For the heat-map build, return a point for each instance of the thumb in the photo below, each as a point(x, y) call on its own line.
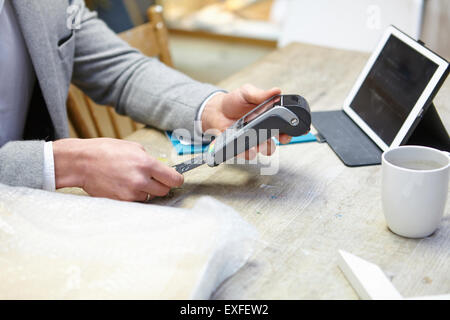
point(254, 95)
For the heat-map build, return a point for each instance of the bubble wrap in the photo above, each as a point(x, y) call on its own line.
point(60, 246)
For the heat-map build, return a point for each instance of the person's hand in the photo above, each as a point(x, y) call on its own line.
point(112, 168)
point(225, 108)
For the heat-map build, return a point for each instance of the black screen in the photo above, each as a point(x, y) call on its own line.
point(392, 87)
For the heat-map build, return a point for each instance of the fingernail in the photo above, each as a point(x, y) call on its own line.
point(263, 149)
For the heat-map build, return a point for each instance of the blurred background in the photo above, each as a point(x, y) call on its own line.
point(212, 39)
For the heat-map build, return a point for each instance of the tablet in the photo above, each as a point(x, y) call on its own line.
point(396, 85)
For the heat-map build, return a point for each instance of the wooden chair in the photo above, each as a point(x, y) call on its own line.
point(89, 120)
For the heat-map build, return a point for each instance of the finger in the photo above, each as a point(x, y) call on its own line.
point(284, 138)
point(155, 188)
point(251, 153)
point(241, 155)
point(166, 175)
point(255, 95)
point(267, 148)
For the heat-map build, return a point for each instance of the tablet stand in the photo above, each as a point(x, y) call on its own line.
point(355, 148)
point(430, 132)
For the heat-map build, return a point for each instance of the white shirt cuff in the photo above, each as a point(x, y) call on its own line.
point(49, 167)
point(198, 118)
point(198, 123)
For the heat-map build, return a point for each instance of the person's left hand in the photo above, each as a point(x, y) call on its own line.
point(225, 108)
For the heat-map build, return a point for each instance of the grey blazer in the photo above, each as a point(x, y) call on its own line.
point(105, 68)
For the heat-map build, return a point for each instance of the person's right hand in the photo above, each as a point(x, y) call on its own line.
point(112, 168)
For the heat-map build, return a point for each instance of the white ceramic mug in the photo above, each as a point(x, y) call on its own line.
point(414, 189)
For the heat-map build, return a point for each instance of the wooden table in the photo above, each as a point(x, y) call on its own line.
point(314, 205)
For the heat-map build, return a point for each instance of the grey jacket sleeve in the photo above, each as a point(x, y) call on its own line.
point(22, 164)
point(113, 73)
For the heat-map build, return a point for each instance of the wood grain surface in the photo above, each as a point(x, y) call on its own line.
point(314, 205)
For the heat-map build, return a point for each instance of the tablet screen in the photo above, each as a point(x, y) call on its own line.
point(392, 87)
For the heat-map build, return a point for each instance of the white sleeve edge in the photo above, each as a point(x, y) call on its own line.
point(198, 123)
point(49, 167)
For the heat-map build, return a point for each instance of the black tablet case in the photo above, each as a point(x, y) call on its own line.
point(355, 148)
